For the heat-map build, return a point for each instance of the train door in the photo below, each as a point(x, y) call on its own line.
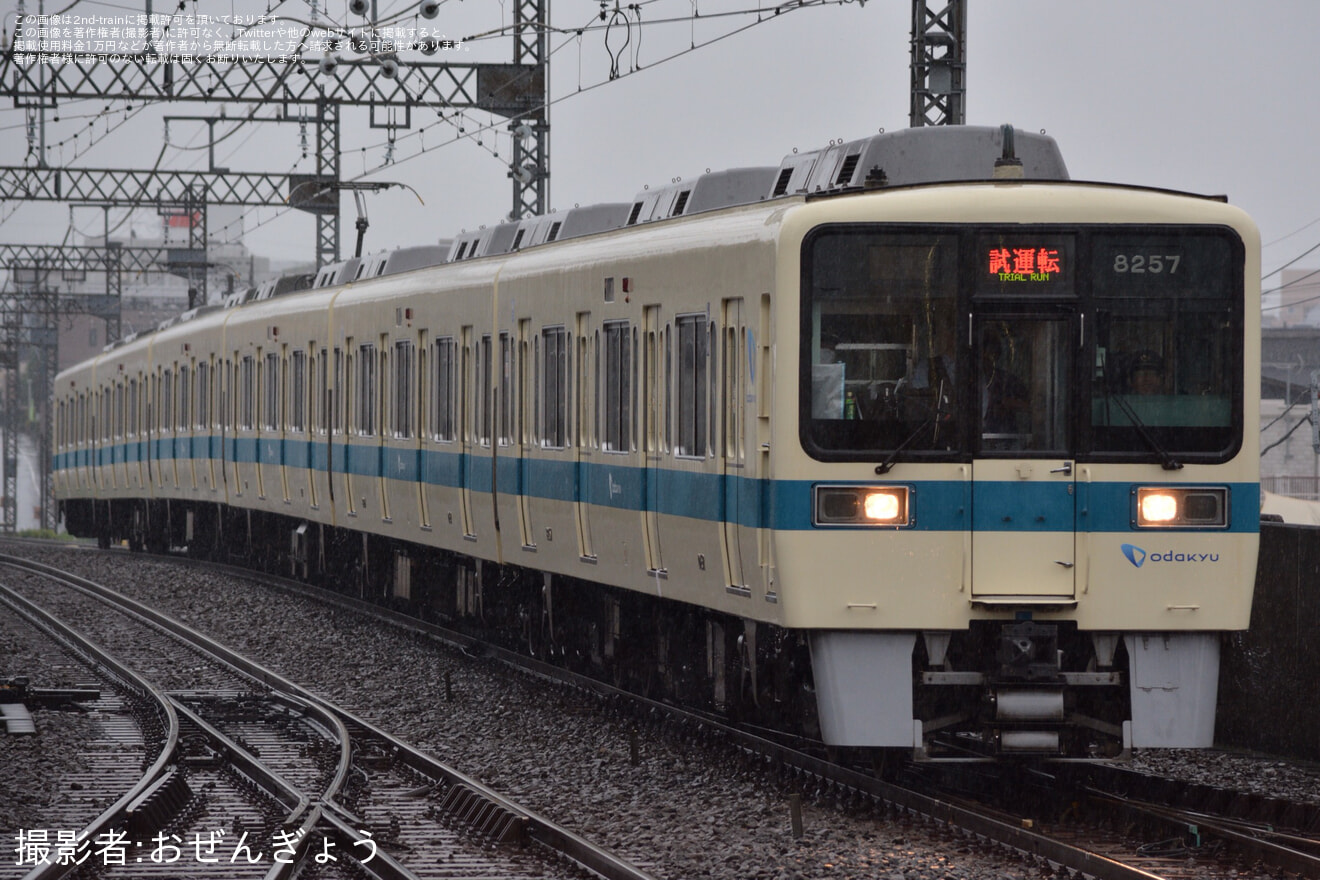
point(187, 391)
point(228, 425)
point(207, 378)
point(318, 422)
point(382, 413)
point(286, 392)
point(652, 434)
point(588, 397)
point(299, 424)
point(422, 377)
point(351, 385)
point(135, 432)
point(522, 431)
point(81, 440)
point(466, 421)
point(1023, 487)
point(733, 348)
point(267, 374)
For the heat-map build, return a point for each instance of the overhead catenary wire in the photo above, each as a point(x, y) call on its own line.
point(1304, 253)
point(475, 135)
point(1305, 420)
point(465, 130)
point(1295, 302)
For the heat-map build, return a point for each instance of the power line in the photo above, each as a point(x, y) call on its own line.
point(1309, 250)
point(1291, 234)
point(1290, 284)
point(1306, 420)
point(474, 136)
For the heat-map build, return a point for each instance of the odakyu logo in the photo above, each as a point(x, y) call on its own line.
point(1139, 557)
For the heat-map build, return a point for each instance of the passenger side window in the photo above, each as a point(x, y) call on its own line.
point(693, 362)
point(616, 433)
point(271, 402)
point(443, 385)
point(405, 359)
point(366, 390)
point(483, 388)
point(298, 391)
point(554, 396)
point(248, 391)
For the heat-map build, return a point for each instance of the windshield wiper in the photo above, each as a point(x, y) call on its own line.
point(888, 464)
point(1169, 463)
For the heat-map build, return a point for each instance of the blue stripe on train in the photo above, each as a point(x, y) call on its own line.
point(939, 505)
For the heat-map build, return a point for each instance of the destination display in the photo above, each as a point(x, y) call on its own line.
point(1025, 264)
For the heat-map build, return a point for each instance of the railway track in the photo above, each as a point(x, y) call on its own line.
point(1103, 836)
point(1081, 803)
point(119, 736)
point(257, 775)
point(1092, 842)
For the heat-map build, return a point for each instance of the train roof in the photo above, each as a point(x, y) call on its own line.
point(936, 154)
point(911, 157)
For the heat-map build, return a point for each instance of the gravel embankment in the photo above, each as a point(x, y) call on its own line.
point(684, 811)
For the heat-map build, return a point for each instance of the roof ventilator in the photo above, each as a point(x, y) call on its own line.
point(781, 185)
point(847, 169)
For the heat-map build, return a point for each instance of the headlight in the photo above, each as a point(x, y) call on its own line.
point(1180, 507)
point(862, 506)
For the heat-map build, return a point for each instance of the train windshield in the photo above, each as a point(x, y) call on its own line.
point(1105, 343)
point(1167, 347)
point(881, 353)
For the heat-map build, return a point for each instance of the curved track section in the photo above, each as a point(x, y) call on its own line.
point(336, 777)
point(134, 687)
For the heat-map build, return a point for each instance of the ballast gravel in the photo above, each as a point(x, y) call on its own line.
point(683, 810)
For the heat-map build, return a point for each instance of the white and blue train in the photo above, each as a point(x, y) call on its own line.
point(911, 442)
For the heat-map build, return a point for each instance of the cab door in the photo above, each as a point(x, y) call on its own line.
point(737, 501)
point(1023, 485)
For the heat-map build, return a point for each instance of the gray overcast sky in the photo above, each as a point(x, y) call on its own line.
point(1209, 96)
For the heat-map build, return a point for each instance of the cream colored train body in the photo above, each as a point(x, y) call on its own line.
point(874, 455)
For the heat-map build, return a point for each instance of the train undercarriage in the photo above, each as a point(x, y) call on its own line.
point(1000, 688)
point(726, 665)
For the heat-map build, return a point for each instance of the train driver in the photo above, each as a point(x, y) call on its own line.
point(1146, 375)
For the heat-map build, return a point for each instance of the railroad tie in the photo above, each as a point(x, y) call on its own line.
point(485, 816)
point(160, 804)
point(18, 720)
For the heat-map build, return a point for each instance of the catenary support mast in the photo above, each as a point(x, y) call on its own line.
point(939, 63)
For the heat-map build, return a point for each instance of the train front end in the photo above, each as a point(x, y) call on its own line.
point(1020, 506)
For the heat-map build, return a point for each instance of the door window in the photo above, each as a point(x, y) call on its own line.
point(1023, 378)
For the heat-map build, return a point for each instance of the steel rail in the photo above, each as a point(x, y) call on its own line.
point(1020, 839)
point(130, 680)
point(308, 813)
point(1286, 857)
point(534, 827)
